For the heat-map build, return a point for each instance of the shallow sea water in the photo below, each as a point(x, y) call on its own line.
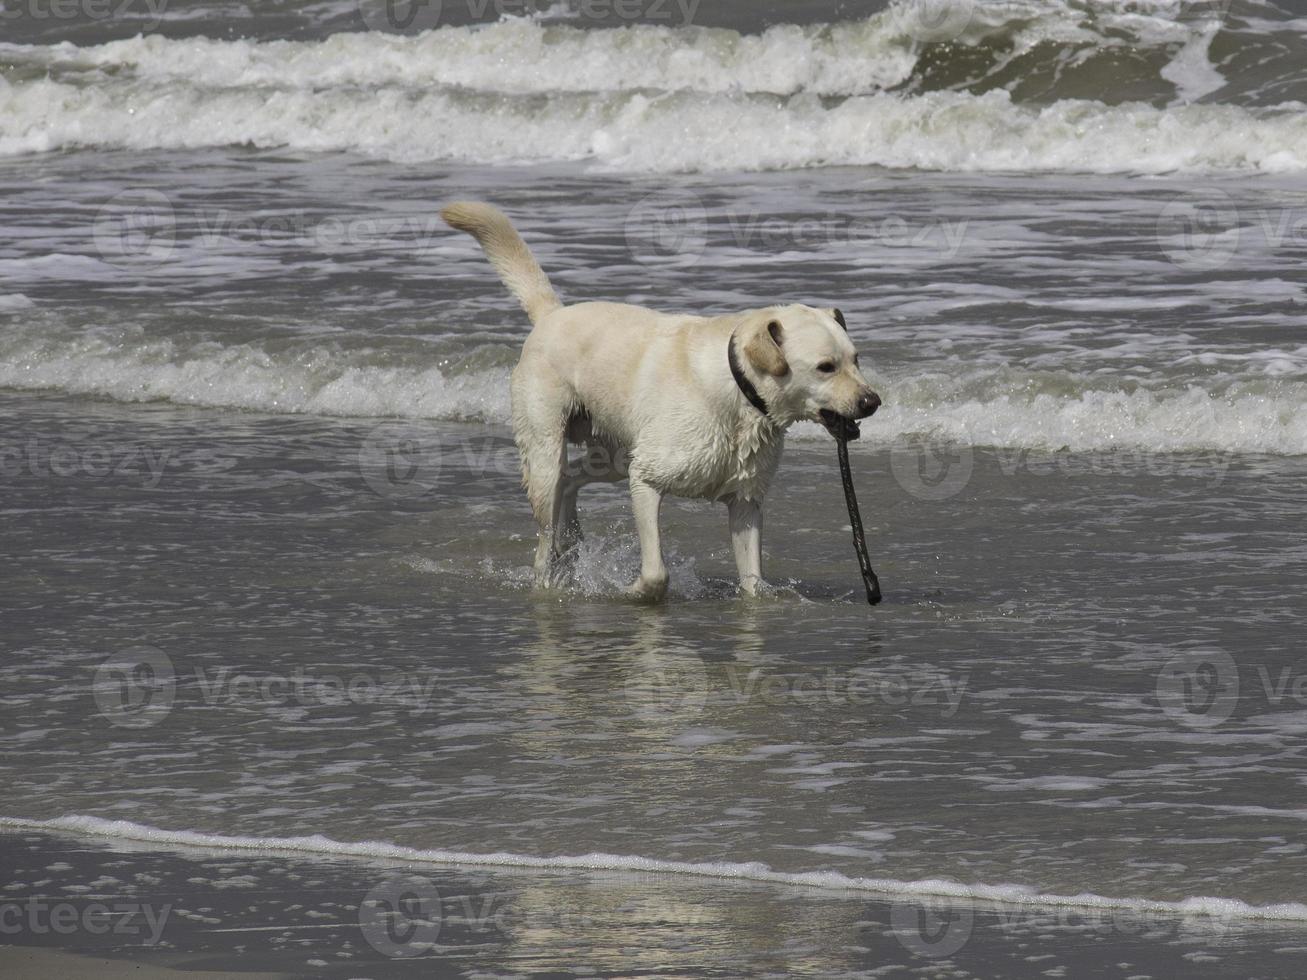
point(269, 628)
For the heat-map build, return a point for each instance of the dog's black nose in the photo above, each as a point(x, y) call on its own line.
point(868, 404)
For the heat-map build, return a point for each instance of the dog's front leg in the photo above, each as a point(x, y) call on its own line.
point(646, 502)
point(746, 541)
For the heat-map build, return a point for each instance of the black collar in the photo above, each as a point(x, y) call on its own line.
point(745, 385)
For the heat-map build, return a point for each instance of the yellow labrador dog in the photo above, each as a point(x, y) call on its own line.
point(686, 405)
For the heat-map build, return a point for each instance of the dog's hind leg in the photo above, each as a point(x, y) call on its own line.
point(543, 462)
point(542, 405)
point(600, 464)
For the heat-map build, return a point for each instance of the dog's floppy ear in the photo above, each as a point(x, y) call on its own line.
point(763, 348)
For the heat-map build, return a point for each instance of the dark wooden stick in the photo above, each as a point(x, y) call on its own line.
point(855, 519)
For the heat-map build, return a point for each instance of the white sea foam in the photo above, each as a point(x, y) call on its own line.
point(1220, 907)
point(516, 56)
point(1191, 71)
point(317, 380)
point(625, 99)
point(986, 406)
point(634, 131)
point(1245, 417)
point(537, 55)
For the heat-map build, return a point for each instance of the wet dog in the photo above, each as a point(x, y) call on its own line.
point(687, 405)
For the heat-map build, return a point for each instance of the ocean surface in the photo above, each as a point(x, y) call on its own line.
point(267, 587)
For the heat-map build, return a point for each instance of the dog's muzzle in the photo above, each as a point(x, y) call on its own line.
point(844, 426)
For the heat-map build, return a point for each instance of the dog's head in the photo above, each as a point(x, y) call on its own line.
point(807, 365)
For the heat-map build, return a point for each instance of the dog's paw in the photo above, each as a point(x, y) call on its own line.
point(650, 589)
point(559, 572)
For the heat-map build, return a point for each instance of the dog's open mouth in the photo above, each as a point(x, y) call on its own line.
point(840, 426)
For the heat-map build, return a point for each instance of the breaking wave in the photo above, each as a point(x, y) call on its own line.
point(1221, 908)
point(1144, 86)
point(988, 406)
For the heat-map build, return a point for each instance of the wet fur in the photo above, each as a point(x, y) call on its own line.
point(651, 398)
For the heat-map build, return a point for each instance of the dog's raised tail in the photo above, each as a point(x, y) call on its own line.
point(507, 253)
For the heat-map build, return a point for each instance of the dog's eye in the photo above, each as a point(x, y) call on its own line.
point(826, 367)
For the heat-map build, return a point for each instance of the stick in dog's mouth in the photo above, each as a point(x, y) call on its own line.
point(846, 426)
point(869, 580)
point(840, 426)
